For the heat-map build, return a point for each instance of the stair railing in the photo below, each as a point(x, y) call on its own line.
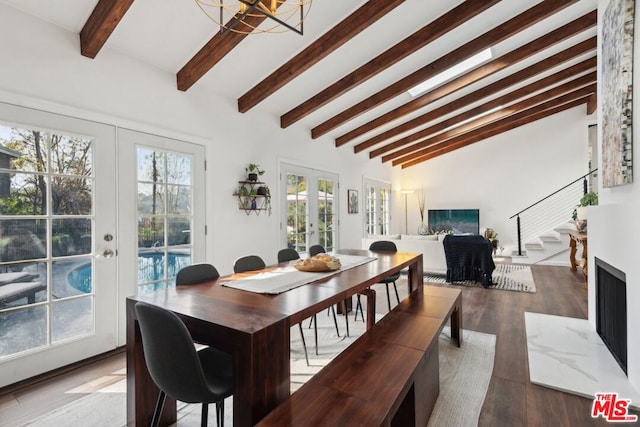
point(550, 211)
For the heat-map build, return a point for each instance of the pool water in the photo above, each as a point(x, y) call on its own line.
point(151, 268)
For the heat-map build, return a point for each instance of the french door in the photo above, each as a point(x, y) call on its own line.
point(58, 242)
point(309, 206)
point(164, 230)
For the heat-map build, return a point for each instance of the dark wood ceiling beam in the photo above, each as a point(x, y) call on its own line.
point(490, 38)
point(496, 131)
point(486, 91)
point(391, 56)
point(103, 21)
point(363, 17)
point(592, 105)
point(506, 99)
point(568, 97)
point(213, 52)
point(510, 110)
point(509, 59)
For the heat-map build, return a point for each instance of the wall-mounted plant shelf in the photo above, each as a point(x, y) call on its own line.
point(253, 196)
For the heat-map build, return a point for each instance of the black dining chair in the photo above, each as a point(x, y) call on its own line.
point(288, 254)
point(187, 375)
point(248, 263)
point(196, 273)
point(316, 249)
point(384, 246)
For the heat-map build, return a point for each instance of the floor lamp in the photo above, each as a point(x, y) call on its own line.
point(405, 193)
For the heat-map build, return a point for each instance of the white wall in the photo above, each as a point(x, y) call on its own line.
point(614, 230)
point(42, 62)
point(501, 175)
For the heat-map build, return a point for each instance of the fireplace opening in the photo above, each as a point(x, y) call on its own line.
point(611, 310)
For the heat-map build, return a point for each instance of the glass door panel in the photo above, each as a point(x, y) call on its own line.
point(54, 306)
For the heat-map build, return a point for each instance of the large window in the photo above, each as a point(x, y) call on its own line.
point(377, 207)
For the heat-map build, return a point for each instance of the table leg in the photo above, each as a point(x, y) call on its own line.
point(415, 278)
point(371, 306)
point(456, 321)
point(262, 373)
point(572, 253)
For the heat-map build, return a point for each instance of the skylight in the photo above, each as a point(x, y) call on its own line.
point(456, 70)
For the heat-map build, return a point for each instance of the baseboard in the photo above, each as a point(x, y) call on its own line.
point(554, 263)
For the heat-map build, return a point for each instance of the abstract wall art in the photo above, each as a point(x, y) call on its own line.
point(617, 93)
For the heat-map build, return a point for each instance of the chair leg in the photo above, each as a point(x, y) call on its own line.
point(358, 307)
point(304, 344)
point(346, 315)
point(158, 411)
point(386, 285)
point(395, 288)
point(204, 420)
point(315, 332)
point(335, 319)
point(220, 413)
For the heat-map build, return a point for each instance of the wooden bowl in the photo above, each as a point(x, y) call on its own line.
point(316, 265)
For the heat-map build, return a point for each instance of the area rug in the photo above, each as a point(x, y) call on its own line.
point(508, 277)
point(464, 379)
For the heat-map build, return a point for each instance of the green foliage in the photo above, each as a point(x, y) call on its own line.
point(253, 168)
point(589, 199)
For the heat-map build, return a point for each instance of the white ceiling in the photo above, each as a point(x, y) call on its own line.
point(167, 33)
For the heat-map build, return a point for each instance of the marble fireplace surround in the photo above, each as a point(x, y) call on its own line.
point(568, 354)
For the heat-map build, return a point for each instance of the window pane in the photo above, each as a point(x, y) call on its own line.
point(22, 194)
point(27, 149)
point(71, 196)
point(22, 284)
point(71, 236)
point(150, 232)
point(178, 230)
point(151, 198)
point(71, 318)
point(178, 199)
point(22, 239)
point(23, 330)
point(70, 156)
point(72, 277)
point(178, 169)
point(151, 165)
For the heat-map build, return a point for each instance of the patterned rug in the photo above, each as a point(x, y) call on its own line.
point(508, 277)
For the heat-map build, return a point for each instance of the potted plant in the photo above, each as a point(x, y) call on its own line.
point(491, 235)
point(580, 212)
point(422, 228)
point(253, 172)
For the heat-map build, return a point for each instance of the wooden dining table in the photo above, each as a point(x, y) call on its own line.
point(254, 328)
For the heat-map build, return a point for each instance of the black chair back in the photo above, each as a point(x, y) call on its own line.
point(316, 249)
point(171, 357)
point(248, 263)
point(287, 254)
point(383, 246)
point(196, 273)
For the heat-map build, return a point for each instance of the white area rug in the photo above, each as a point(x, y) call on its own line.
point(464, 378)
point(508, 277)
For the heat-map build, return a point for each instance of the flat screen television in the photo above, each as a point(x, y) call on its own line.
point(460, 221)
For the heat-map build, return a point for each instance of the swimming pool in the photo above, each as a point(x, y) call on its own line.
point(151, 269)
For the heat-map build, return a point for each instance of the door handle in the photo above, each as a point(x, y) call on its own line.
point(107, 253)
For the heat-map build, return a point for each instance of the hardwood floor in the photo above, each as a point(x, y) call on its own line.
point(511, 399)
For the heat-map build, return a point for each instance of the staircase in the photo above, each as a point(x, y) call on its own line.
point(550, 248)
point(543, 227)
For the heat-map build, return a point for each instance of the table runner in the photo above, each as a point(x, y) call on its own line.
point(283, 279)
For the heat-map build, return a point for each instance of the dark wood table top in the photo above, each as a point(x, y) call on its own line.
point(249, 311)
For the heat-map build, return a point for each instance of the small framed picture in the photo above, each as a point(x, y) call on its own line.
point(352, 200)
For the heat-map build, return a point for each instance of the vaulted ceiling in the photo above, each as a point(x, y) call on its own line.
point(346, 80)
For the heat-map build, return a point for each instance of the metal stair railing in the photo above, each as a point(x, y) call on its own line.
point(551, 210)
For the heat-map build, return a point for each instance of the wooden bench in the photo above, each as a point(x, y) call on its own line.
point(387, 377)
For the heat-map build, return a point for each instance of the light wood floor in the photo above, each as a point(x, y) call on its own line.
point(511, 399)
